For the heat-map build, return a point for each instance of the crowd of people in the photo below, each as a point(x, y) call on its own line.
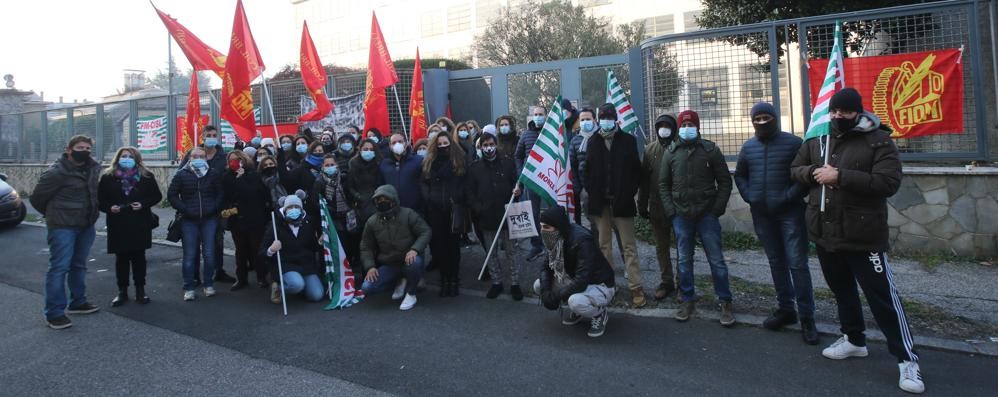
point(404, 208)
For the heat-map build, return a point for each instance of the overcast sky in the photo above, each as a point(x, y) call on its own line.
point(78, 49)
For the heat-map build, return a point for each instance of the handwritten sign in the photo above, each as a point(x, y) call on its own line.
point(520, 220)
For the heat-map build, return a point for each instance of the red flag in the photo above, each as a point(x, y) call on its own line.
point(380, 74)
point(201, 56)
point(915, 94)
point(417, 106)
point(242, 66)
point(314, 77)
point(192, 122)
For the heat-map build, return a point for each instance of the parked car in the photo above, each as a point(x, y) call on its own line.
point(12, 208)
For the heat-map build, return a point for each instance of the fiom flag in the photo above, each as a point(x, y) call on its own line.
point(380, 74)
point(242, 66)
point(417, 107)
point(545, 171)
point(313, 74)
point(201, 56)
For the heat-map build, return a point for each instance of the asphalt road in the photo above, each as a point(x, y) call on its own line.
point(237, 343)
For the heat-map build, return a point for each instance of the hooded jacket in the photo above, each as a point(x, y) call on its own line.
point(389, 236)
point(66, 194)
point(649, 196)
point(855, 217)
point(507, 143)
point(584, 262)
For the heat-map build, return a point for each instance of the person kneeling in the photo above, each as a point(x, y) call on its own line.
point(391, 248)
point(577, 272)
point(298, 243)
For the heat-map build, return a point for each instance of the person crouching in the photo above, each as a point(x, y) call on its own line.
point(298, 243)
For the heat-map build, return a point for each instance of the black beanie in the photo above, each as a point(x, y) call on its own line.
point(556, 217)
point(847, 99)
point(607, 112)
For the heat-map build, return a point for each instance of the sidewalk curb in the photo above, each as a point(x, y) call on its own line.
point(983, 348)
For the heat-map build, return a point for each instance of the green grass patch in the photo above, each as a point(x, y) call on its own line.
point(739, 241)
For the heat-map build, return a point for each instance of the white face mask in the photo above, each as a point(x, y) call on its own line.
point(664, 132)
point(398, 148)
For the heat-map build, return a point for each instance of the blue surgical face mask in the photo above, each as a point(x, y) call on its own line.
point(255, 140)
point(301, 148)
point(421, 152)
point(199, 163)
point(293, 213)
point(607, 125)
point(375, 139)
point(367, 155)
point(286, 146)
point(126, 163)
point(687, 133)
point(463, 134)
point(346, 146)
point(331, 170)
point(211, 142)
point(504, 129)
point(587, 125)
point(539, 121)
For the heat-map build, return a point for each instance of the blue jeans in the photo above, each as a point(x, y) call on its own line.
point(784, 238)
point(68, 251)
point(388, 276)
point(708, 228)
point(198, 234)
point(294, 283)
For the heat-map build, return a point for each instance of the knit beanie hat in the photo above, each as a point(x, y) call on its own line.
point(847, 99)
point(689, 115)
point(763, 108)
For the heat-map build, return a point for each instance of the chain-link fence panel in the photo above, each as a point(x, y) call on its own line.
point(9, 137)
point(114, 132)
point(31, 137)
point(58, 133)
point(593, 84)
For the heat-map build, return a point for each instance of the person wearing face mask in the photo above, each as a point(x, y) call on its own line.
point(327, 142)
point(650, 202)
point(271, 177)
point(66, 195)
point(346, 149)
point(126, 193)
point(268, 143)
point(613, 175)
point(196, 193)
point(508, 138)
point(577, 279)
point(851, 233)
point(777, 203)
point(364, 178)
point(246, 208)
point(392, 248)
point(303, 177)
point(352, 130)
point(695, 186)
point(537, 115)
point(380, 141)
point(257, 141)
point(463, 137)
point(577, 159)
point(489, 183)
point(331, 186)
point(403, 170)
point(298, 243)
point(446, 124)
point(420, 147)
point(443, 185)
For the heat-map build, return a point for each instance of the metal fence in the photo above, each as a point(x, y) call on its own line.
point(721, 73)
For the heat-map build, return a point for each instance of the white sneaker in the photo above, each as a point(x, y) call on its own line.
point(189, 295)
point(842, 349)
point(209, 291)
point(911, 378)
point(408, 302)
point(399, 290)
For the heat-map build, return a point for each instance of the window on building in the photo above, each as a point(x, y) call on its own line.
point(690, 20)
point(432, 23)
point(486, 11)
point(660, 25)
point(458, 18)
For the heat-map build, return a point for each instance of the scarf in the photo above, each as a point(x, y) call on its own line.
point(128, 178)
point(585, 140)
point(334, 192)
point(556, 256)
point(199, 172)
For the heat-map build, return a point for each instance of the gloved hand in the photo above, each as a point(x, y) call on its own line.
point(550, 300)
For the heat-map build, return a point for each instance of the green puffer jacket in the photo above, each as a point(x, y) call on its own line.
point(66, 194)
point(388, 237)
point(694, 179)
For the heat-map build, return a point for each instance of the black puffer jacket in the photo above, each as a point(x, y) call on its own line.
point(613, 176)
point(763, 173)
point(196, 198)
point(298, 253)
point(584, 262)
point(855, 217)
point(526, 143)
point(442, 187)
point(66, 194)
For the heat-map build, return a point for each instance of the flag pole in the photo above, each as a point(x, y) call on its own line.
point(401, 115)
point(828, 144)
point(502, 223)
point(270, 105)
point(280, 268)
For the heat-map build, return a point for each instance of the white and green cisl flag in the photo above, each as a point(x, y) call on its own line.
point(545, 171)
point(343, 291)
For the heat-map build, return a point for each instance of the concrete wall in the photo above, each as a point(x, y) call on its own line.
point(935, 210)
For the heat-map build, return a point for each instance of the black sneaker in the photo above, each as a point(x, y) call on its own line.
point(808, 331)
point(779, 319)
point(494, 291)
point(598, 324)
point(515, 292)
point(61, 322)
point(223, 277)
point(85, 308)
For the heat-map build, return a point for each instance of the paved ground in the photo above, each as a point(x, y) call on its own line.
point(238, 342)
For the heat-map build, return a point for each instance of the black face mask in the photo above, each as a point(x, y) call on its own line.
point(766, 131)
point(845, 125)
point(384, 206)
point(80, 156)
point(269, 171)
point(443, 151)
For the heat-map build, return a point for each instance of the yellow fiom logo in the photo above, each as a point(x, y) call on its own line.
point(908, 96)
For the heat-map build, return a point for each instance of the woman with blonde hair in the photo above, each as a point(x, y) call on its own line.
point(443, 173)
point(126, 193)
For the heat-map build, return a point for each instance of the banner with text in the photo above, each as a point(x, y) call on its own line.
point(347, 110)
point(151, 135)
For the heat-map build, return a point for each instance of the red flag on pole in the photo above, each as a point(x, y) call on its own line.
point(380, 74)
point(242, 66)
point(314, 77)
point(417, 106)
point(201, 56)
point(192, 122)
